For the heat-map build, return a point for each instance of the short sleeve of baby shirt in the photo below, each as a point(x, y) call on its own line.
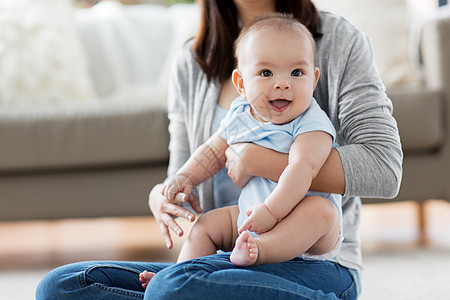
point(229, 123)
point(313, 119)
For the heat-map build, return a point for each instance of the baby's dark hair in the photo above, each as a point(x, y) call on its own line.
point(274, 21)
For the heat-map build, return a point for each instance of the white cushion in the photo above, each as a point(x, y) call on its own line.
point(131, 48)
point(387, 23)
point(41, 59)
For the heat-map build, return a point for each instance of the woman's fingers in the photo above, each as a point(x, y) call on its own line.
point(171, 224)
point(164, 190)
point(166, 234)
point(164, 212)
point(195, 204)
point(176, 210)
point(166, 221)
point(236, 164)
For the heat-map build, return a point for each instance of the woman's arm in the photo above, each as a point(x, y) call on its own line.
point(331, 178)
point(244, 162)
point(371, 153)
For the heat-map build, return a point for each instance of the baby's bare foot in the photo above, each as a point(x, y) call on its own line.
point(245, 252)
point(145, 278)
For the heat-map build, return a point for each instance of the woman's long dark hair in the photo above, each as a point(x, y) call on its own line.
point(219, 28)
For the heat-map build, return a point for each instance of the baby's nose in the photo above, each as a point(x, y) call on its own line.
point(282, 85)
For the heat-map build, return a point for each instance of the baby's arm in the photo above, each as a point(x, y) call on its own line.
point(306, 156)
point(206, 161)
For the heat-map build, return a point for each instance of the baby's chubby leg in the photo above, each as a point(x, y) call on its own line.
point(326, 225)
point(313, 227)
point(214, 230)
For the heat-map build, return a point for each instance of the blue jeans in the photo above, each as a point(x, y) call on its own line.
point(211, 277)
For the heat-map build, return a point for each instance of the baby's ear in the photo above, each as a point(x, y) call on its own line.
point(238, 82)
point(316, 75)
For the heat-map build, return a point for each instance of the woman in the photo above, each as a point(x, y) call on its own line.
point(368, 163)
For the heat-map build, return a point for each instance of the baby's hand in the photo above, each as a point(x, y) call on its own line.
point(177, 184)
point(259, 219)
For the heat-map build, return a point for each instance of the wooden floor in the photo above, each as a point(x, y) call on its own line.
point(37, 244)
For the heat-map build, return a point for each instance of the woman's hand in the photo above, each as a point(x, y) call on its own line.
point(244, 160)
point(238, 162)
point(164, 211)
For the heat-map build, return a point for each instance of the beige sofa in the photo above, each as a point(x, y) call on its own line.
point(102, 158)
point(98, 158)
point(423, 116)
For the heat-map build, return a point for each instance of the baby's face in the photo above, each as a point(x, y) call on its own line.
point(279, 74)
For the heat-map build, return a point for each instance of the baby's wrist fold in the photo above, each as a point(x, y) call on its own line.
point(270, 212)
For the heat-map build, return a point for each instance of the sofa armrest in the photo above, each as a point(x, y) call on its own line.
point(421, 119)
point(434, 45)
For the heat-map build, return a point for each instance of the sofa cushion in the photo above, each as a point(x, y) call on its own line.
point(131, 46)
point(124, 45)
point(95, 134)
point(387, 23)
point(41, 56)
point(420, 115)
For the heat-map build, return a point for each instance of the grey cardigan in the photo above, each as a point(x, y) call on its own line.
point(349, 90)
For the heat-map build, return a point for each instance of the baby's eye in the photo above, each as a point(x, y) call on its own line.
point(296, 73)
point(266, 73)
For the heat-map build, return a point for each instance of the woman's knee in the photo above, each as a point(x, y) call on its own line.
point(89, 280)
point(53, 284)
point(170, 283)
point(164, 284)
point(188, 280)
point(68, 279)
point(45, 286)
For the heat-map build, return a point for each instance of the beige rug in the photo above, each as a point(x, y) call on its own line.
point(407, 275)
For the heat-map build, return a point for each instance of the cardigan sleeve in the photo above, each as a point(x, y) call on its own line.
point(371, 154)
point(176, 105)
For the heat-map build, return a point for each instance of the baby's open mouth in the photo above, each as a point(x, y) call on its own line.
point(280, 105)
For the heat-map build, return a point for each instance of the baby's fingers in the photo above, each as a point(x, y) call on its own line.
point(249, 211)
point(245, 226)
point(171, 192)
point(164, 190)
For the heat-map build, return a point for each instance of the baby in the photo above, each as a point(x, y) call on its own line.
point(274, 222)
